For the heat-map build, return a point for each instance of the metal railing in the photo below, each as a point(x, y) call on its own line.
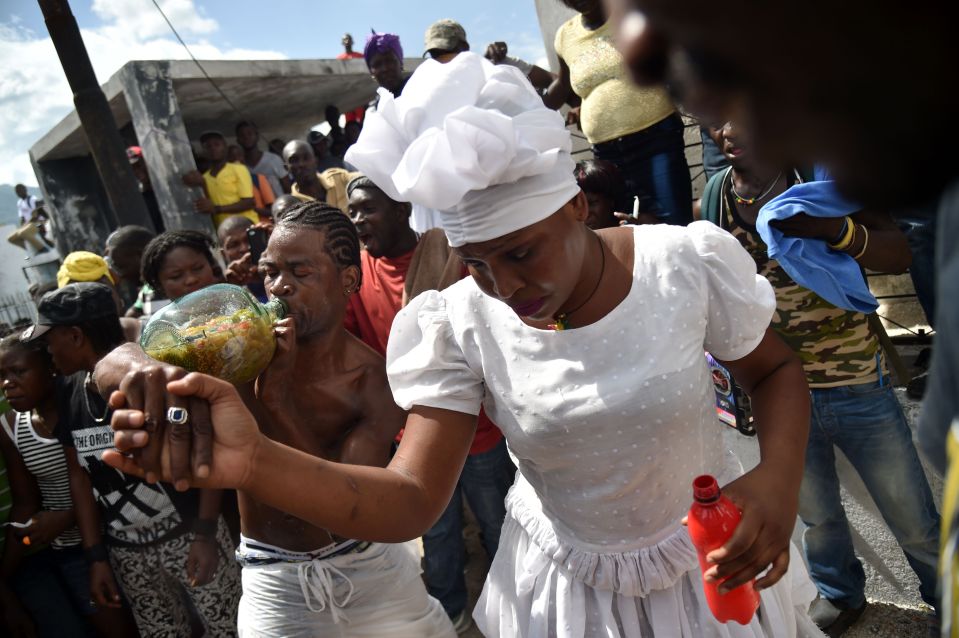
point(17, 310)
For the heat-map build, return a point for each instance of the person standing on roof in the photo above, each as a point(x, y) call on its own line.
point(348, 52)
point(356, 115)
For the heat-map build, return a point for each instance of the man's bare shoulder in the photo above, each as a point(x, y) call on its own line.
point(365, 359)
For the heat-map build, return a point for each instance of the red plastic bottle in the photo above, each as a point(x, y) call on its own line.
point(712, 520)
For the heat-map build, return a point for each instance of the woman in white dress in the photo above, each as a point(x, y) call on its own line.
point(610, 417)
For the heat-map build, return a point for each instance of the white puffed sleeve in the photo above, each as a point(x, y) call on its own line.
point(425, 364)
point(740, 303)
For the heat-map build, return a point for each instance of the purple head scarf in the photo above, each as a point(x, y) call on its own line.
point(381, 42)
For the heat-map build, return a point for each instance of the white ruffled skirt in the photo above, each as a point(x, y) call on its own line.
point(540, 587)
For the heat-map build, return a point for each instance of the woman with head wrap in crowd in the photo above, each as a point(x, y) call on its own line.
point(608, 430)
point(384, 58)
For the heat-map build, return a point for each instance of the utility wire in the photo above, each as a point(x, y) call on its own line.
point(197, 62)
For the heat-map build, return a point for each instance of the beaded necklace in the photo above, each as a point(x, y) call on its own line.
point(749, 201)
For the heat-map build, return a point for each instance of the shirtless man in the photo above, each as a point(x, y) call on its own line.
point(298, 580)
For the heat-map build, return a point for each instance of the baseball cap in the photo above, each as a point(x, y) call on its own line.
point(70, 306)
point(134, 154)
point(446, 35)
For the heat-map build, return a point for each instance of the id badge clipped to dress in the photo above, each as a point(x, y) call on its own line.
point(732, 404)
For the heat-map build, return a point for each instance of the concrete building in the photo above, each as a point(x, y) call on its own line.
point(163, 106)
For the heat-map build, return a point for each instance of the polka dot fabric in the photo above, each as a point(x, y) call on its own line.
point(609, 423)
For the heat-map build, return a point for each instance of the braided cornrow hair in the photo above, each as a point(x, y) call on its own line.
point(160, 246)
point(339, 233)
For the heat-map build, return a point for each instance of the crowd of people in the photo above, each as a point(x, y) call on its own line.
point(473, 318)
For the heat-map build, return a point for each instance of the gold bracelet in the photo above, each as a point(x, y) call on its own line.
point(865, 244)
point(849, 235)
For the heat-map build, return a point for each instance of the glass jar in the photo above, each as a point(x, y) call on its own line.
point(221, 330)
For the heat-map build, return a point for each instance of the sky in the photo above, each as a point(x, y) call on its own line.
point(34, 94)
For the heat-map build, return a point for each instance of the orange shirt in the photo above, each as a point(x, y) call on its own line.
point(370, 314)
point(262, 192)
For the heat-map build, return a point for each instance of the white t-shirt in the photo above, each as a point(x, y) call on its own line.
point(271, 167)
point(25, 207)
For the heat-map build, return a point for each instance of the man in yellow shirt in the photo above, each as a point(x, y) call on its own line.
point(228, 185)
point(328, 186)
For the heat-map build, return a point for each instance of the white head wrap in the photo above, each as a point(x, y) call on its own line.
point(475, 142)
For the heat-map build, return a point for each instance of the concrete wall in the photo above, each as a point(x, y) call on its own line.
point(552, 14)
point(158, 122)
point(80, 213)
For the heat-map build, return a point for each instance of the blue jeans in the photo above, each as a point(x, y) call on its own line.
point(867, 424)
point(653, 165)
point(486, 478)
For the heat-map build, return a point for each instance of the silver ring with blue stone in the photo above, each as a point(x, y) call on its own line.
point(177, 416)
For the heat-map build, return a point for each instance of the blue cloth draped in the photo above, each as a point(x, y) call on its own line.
point(833, 275)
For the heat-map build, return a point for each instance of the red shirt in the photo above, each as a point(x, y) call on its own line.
point(372, 308)
point(370, 314)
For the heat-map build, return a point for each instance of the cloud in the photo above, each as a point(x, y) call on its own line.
point(34, 94)
point(141, 20)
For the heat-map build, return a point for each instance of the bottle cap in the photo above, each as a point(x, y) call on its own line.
point(705, 488)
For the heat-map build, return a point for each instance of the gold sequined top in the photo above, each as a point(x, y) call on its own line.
point(612, 105)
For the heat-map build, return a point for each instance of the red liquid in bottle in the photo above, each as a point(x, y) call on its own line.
point(712, 520)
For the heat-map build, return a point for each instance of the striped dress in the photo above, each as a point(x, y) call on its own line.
point(45, 460)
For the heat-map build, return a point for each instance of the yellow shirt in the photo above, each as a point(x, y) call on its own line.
point(229, 186)
point(333, 181)
point(949, 536)
point(612, 106)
